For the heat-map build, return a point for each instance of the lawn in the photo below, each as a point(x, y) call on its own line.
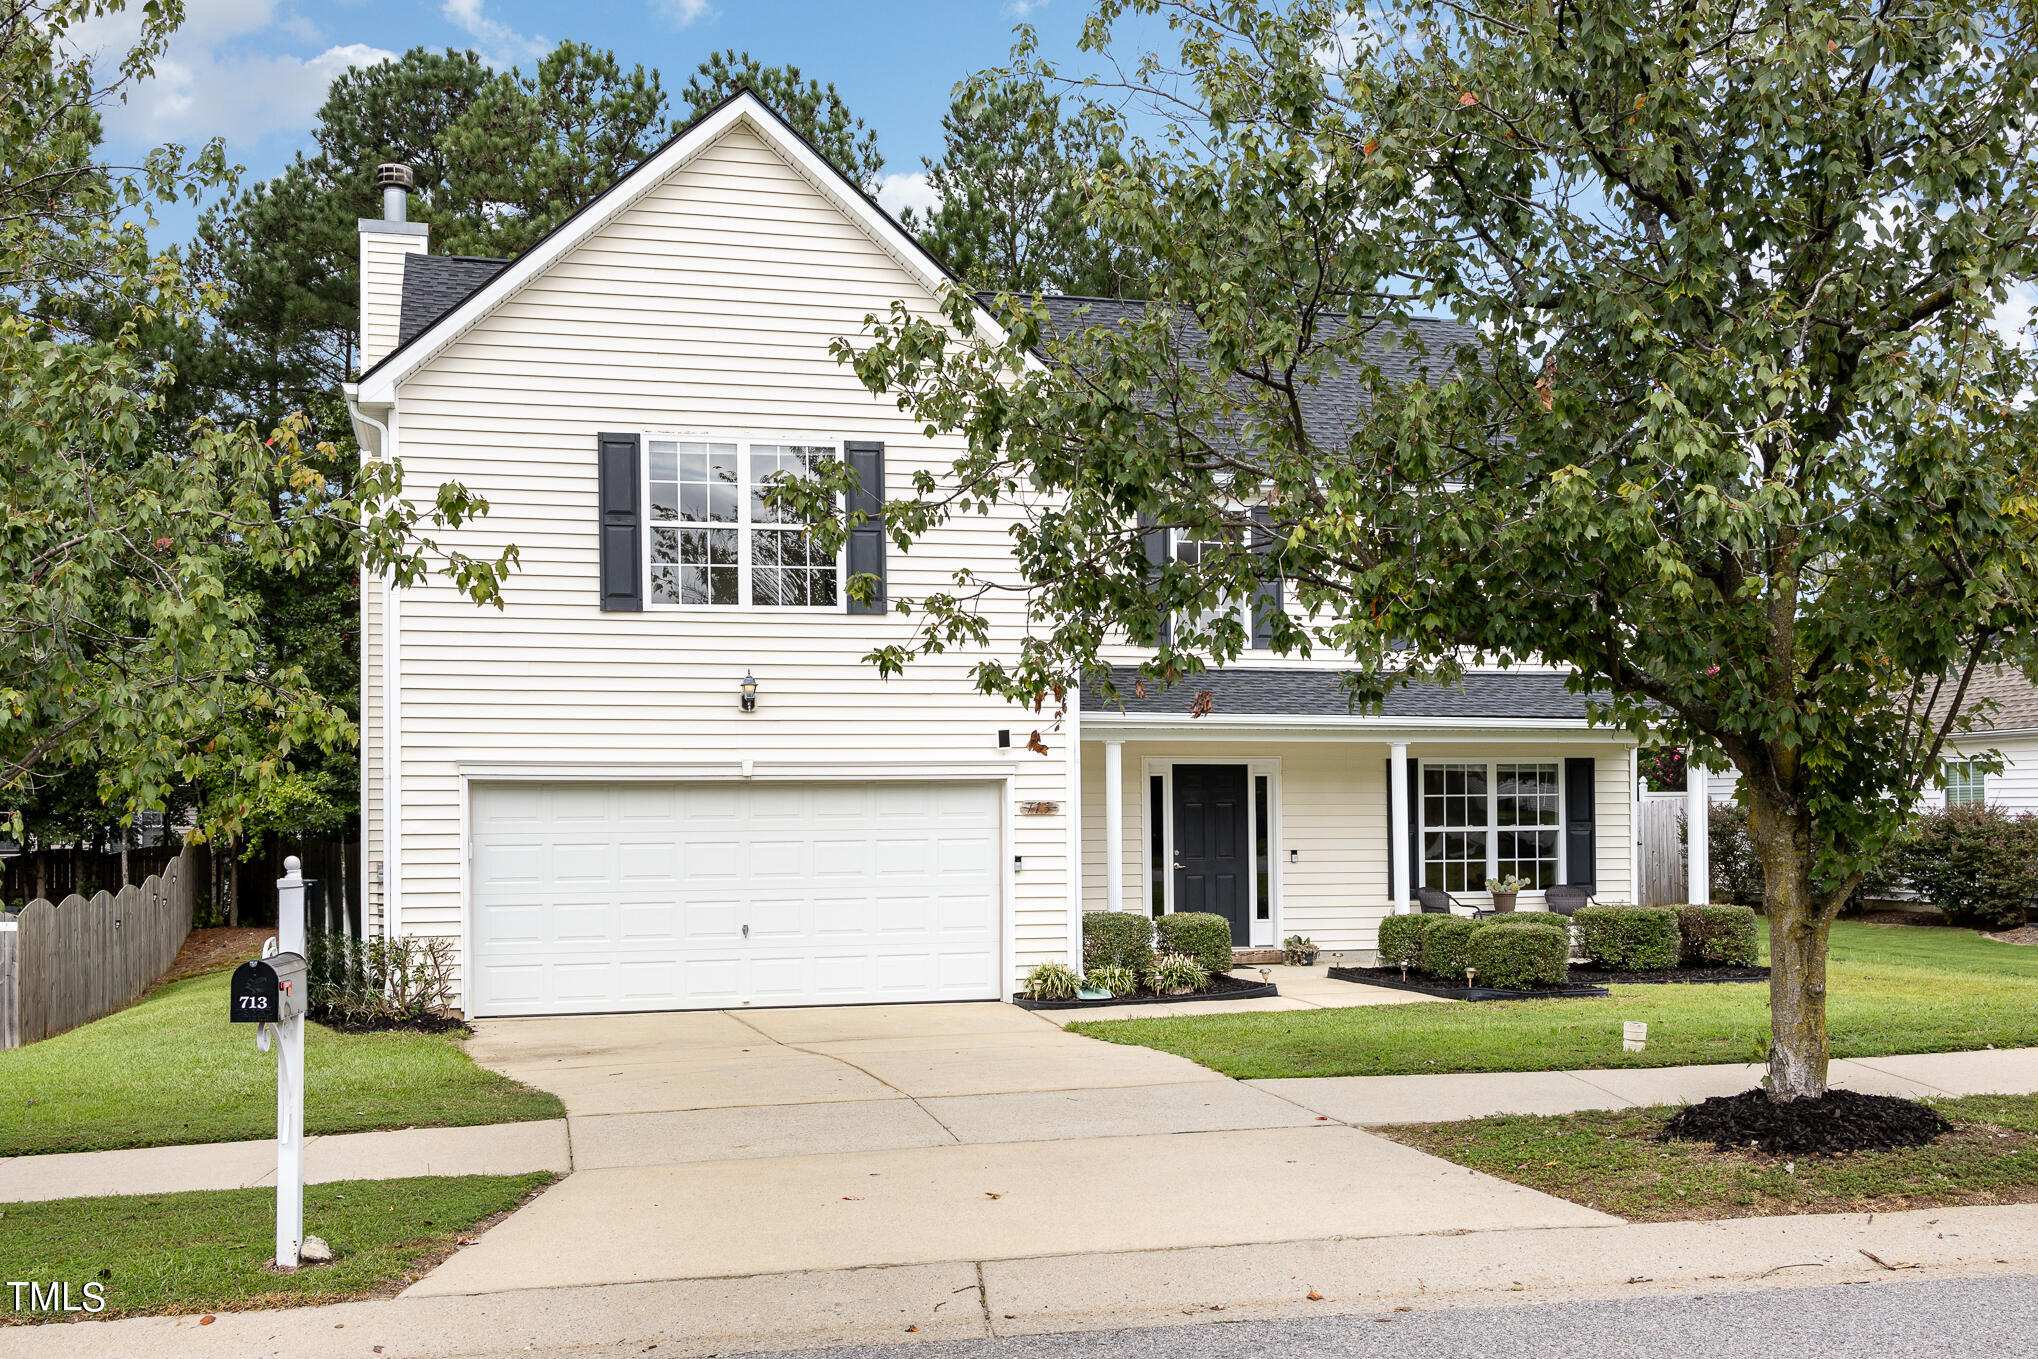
point(1893, 988)
point(171, 1069)
point(1610, 1161)
point(210, 1251)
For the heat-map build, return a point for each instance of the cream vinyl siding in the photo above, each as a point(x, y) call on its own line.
point(1333, 811)
point(372, 766)
point(705, 308)
point(382, 252)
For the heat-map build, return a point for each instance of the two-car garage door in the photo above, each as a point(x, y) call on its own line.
point(601, 897)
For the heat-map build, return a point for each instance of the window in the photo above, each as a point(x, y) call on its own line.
point(1191, 550)
point(713, 538)
point(1966, 785)
point(1483, 821)
point(1157, 839)
point(1264, 884)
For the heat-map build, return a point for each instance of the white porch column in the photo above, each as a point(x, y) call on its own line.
point(1114, 825)
point(1398, 888)
point(1697, 830)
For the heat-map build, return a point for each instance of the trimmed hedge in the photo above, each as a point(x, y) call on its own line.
point(1519, 958)
point(1121, 937)
point(1204, 937)
point(1977, 864)
point(1446, 947)
point(1630, 938)
point(1718, 936)
point(1542, 920)
point(1401, 939)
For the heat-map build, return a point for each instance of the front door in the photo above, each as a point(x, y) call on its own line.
point(1212, 871)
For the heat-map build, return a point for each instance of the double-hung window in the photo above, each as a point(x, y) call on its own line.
point(714, 541)
point(1485, 820)
point(1966, 785)
point(1190, 552)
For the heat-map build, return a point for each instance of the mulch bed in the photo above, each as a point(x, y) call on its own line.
point(1837, 1122)
point(2023, 934)
point(393, 1024)
point(1601, 977)
point(216, 949)
point(1220, 988)
point(1390, 977)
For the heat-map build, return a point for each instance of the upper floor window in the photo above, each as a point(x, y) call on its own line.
point(1966, 785)
point(1189, 551)
point(713, 539)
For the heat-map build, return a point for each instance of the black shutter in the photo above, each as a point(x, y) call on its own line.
point(867, 540)
point(1413, 849)
point(1154, 538)
point(1581, 834)
point(622, 522)
point(1267, 600)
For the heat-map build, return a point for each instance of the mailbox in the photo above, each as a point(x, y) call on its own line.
point(268, 990)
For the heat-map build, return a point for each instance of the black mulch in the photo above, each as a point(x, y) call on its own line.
point(1597, 976)
point(393, 1024)
point(1220, 988)
point(1422, 984)
point(1838, 1121)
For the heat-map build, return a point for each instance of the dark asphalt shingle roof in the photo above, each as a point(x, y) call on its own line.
point(435, 284)
point(1330, 409)
point(1292, 691)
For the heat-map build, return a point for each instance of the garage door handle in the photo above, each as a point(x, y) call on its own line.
point(746, 931)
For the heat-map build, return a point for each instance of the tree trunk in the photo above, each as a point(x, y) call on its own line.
point(233, 890)
point(1799, 926)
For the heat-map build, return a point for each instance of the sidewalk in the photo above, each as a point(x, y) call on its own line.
point(970, 1299)
point(488, 1149)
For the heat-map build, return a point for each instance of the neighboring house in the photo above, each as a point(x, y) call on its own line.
point(573, 787)
point(2009, 730)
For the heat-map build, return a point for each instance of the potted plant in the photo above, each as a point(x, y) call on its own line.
point(1298, 950)
point(1505, 890)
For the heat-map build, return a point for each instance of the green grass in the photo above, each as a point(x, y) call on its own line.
point(171, 1069)
point(1892, 989)
point(1610, 1161)
point(209, 1251)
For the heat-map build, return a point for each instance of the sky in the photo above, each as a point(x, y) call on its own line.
point(256, 71)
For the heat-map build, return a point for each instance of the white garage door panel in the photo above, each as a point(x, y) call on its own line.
point(599, 897)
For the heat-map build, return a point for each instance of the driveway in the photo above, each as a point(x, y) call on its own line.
point(717, 1144)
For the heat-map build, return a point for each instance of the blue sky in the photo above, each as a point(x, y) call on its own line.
point(255, 71)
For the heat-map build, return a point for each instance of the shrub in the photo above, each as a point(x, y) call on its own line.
point(1401, 939)
point(1446, 946)
point(1204, 937)
point(404, 983)
point(1735, 872)
point(1977, 864)
point(1718, 936)
point(1630, 938)
point(1298, 950)
point(1121, 937)
point(1051, 981)
point(1517, 958)
point(1116, 978)
point(1173, 974)
point(1535, 920)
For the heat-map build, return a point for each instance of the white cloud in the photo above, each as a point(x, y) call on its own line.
point(2013, 317)
point(680, 13)
point(896, 193)
point(500, 44)
point(1023, 9)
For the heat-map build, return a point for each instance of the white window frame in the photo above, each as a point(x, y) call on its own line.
point(745, 528)
point(1965, 785)
point(1492, 827)
point(1177, 538)
point(1264, 933)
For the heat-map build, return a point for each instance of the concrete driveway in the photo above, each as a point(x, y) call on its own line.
point(718, 1144)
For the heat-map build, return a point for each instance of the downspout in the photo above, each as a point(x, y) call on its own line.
point(392, 859)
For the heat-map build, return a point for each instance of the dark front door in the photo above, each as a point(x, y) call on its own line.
point(1212, 866)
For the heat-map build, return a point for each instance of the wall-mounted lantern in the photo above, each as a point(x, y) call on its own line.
point(747, 693)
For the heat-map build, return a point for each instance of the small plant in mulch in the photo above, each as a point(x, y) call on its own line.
point(1837, 1122)
point(1052, 981)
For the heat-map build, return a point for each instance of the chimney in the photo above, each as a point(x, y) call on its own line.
point(385, 240)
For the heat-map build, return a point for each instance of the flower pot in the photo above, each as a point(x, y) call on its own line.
point(1504, 901)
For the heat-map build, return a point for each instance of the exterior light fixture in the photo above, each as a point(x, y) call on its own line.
point(747, 693)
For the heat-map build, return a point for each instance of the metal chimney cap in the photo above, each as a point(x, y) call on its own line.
point(392, 175)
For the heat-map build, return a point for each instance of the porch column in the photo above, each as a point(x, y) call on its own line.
point(1697, 829)
point(1114, 825)
point(1397, 825)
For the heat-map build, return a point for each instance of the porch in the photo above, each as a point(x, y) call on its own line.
point(1283, 811)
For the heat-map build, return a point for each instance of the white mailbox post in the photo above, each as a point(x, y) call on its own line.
point(290, 1075)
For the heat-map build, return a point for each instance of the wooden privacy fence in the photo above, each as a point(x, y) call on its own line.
point(68, 964)
point(1662, 835)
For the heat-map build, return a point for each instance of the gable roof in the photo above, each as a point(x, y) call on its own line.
point(2016, 698)
point(1306, 692)
point(435, 284)
point(377, 386)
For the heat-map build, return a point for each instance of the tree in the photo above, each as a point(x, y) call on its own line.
point(128, 643)
point(1012, 184)
point(815, 110)
point(1729, 432)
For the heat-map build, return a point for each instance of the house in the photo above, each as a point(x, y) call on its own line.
point(664, 776)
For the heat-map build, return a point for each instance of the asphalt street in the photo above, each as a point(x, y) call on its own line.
point(1971, 1318)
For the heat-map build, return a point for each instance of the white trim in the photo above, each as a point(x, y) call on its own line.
point(1008, 890)
point(1420, 868)
point(663, 771)
point(1114, 825)
point(1162, 767)
point(745, 528)
point(1072, 833)
point(1244, 727)
point(379, 385)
